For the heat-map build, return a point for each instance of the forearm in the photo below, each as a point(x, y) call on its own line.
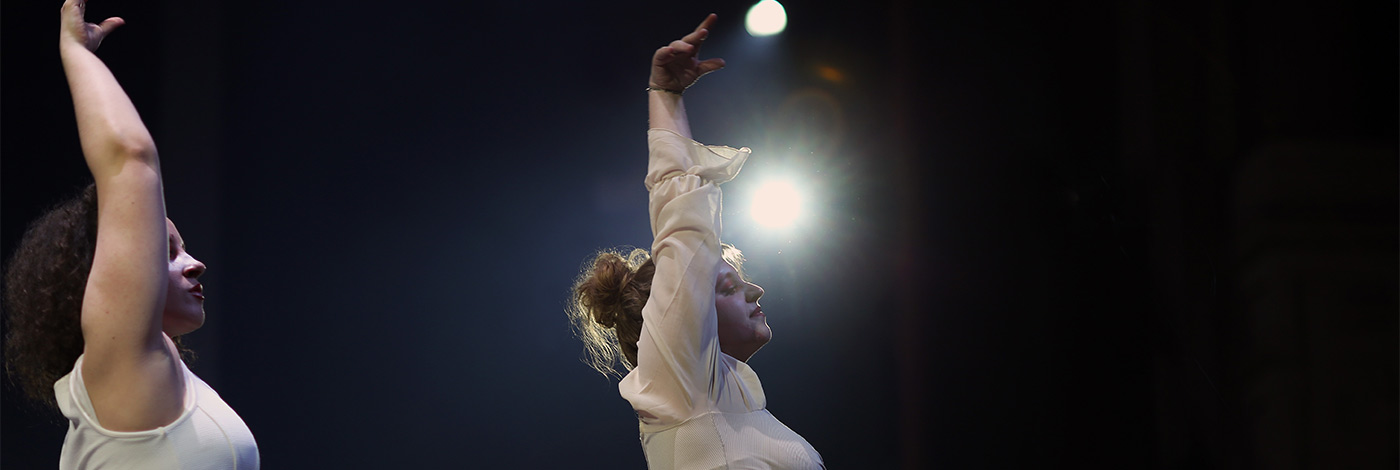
point(109, 127)
point(667, 111)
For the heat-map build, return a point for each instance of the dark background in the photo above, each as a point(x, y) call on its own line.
point(1138, 234)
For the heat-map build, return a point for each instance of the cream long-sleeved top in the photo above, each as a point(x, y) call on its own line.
point(208, 435)
point(700, 408)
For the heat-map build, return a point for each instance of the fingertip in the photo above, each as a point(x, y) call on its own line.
point(111, 24)
point(709, 19)
point(712, 65)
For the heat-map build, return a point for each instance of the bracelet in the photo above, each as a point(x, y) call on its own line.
point(674, 92)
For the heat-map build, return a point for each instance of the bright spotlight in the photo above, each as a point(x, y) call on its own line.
point(766, 18)
point(776, 204)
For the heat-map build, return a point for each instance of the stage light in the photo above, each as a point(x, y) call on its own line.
point(766, 18)
point(776, 204)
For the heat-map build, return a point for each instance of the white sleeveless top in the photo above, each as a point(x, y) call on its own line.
point(707, 410)
point(208, 435)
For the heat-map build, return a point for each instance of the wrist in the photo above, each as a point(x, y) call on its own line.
point(652, 87)
point(68, 45)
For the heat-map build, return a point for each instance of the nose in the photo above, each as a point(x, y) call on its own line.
point(195, 269)
point(754, 292)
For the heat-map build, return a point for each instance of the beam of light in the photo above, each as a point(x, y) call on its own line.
point(776, 204)
point(766, 18)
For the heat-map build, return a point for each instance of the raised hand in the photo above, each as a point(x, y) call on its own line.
point(76, 30)
point(677, 66)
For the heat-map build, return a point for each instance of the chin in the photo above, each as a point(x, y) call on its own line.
point(183, 324)
point(764, 335)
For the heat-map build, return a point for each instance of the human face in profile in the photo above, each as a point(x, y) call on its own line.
point(184, 297)
point(743, 328)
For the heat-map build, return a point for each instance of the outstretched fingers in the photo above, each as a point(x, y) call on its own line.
point(710, 65)
point(682, 47)
point(701, 32)
point(696, 37)
point(675, 50)
point(704, 28)
point(677, 65)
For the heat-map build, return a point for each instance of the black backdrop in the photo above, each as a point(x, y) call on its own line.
point(1108, 234)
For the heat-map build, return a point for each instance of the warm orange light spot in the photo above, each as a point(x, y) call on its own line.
point(830, 74)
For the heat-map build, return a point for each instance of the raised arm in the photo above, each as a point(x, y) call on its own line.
point(678, 349)
point(674, 68)
point(130, 371)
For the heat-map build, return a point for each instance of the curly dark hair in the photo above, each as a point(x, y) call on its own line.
point(44, 286)
point(45, 281)
point(605, 305)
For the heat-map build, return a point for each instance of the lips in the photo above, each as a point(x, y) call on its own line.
point(197, 291)
point(757, 312)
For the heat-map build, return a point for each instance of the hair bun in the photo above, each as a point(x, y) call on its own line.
point(603, 292)
point(606, 308)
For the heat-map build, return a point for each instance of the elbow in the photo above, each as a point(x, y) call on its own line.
point(121, 156)
point(134, 148)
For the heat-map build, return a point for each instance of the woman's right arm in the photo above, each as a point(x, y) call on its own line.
point(132, 376)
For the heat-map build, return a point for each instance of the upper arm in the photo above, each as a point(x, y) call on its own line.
point(130, 369)
point(125, 292)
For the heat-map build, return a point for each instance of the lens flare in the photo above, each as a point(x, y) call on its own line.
point(776, 204)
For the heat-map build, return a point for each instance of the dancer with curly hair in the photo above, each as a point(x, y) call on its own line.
point(101, 285)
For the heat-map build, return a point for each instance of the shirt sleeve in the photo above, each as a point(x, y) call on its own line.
point(678, 350)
